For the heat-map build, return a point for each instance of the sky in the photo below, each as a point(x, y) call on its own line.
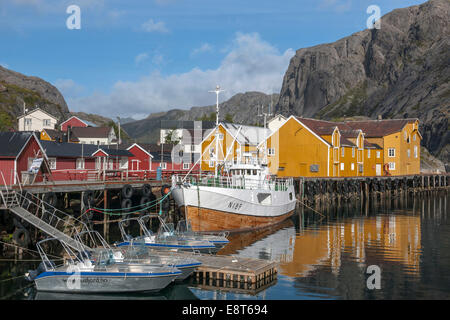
point(130, 58)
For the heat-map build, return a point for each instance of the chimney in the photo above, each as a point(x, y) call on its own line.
point(380, 117)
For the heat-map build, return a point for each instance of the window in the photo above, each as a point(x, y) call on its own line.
point(271, 151)
point(314, 168)
point(408, 152)
point(193, 148)
point(80, 163)
point(343, 152)
point(27, 121)
point(186, 166)
point(353, 152)
point(110, 164)
point(163, 165)
point(249, 172)
point(220, 136)
point(52, 163)
point(46, 122)
point(342, 167)
point(391, 152)
point(211, 163)
point(124, 163)
point(414, 137)
point(254, 172)
point(353, 166)
point(405, 135)
point(360, 168)
point(391, 165)
point(368, 153)
point(415, 152)
point(98, 163)
point(378, 154)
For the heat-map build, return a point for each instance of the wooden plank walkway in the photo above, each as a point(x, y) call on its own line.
point(233, 268)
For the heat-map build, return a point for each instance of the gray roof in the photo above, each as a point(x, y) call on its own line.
point(74, 150)
point(248, 135)
point(11, 143)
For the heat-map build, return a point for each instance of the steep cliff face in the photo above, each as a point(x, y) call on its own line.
point(17, 89)
point(400, 70)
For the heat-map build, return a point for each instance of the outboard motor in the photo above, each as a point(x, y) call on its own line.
point(33, 274)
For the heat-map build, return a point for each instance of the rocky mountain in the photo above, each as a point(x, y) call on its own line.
point(17, 89)
point(241, 108)
point(400, 70)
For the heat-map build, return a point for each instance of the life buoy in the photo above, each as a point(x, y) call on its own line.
point(126, 204)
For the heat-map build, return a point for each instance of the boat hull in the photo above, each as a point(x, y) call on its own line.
point(102, 283)
point(223, 209)
point(204, 219)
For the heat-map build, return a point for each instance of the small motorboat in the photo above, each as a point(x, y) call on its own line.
point(184, 231)
point(135, 254)
point(161, 240)
point(79, 274)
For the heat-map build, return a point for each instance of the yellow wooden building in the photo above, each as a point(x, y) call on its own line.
point(317, 148)
point(56, 135)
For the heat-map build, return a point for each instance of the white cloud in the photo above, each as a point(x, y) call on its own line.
point(69, 88)
point(205, 47)
point(141, 57)
point(152, 26)
point(251, 64)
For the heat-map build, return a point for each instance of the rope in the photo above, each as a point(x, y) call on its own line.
point(142, 207)
point(12, 278)
point(34, 251)
point(21, 289)
point(310, 208)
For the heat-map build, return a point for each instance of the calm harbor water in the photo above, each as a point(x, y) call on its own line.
point(323, 258)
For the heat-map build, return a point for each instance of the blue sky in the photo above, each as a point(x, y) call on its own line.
point(132, 58)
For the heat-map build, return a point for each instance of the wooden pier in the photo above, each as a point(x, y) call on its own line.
point(232, 273)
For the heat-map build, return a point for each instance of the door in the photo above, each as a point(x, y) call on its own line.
point(378, 169)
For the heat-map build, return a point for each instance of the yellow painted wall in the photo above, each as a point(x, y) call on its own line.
point(296, 148)
point(45, 136)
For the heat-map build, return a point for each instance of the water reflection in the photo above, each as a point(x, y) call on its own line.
point(406, 237)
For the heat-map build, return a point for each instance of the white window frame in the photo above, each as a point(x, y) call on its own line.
point(211, 163)
point(186, 165)
point(368, 153)
point(343, 152)
point(342, 166)
point(46, 122)
point(27, 121)
point(416, 153)
point(408, 152)
point(52, 163)
point(391, 150)
point(378, 154)
point(123, 164)
point(353, 152)
point(220, 136)
point(414, 137)
point(98, 163)
point(352, 167)
point(163, 165)
point(271, 151)
point(391, 165)
point(77, 164)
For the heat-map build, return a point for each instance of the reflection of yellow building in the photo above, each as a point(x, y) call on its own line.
point(394, 238)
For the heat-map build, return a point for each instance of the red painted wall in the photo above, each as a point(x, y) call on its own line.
point(74, 122)
point(7, 169)
point(141, 156)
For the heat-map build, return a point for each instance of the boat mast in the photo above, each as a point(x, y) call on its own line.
point(217, 91)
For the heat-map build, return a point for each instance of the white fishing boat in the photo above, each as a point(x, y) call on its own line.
point(244, 196)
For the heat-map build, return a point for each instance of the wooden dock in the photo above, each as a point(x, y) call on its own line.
point(234, 273)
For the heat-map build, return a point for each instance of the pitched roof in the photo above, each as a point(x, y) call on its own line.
point(12, 143)
point(57, 135)
point(345, 142)
point(380, 128)
point(322, 127)
point(91, 132)
point(370, 145)
point(115, 152)
point(34, 110)
point(88, 123)
point(69, 150)
point(248, 135)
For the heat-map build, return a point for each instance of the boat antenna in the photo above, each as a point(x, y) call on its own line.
point(217, 91)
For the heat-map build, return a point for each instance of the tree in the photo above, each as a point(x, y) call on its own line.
point(228, 118)
point(170, 138)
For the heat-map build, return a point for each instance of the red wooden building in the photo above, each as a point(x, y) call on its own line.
point(74, 122)
point(17, 152)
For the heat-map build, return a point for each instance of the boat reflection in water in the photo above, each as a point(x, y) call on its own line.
point(173, 292)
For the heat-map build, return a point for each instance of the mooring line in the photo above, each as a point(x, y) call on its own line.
point(34, 251)
point(12, 278)
point(21, 289)
point(310, 208)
